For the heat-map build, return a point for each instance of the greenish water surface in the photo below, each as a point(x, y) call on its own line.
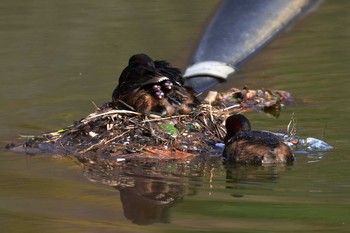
point(57, 57)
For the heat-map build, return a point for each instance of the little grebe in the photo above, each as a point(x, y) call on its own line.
point(257, 147)
point(153, 87)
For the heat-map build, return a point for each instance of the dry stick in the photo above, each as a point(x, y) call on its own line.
point(205, 124)
point(153, 134)
point(164, 118)
point(112, 112)
point(211, 113)
point(233, 106)
point(90, 147)
point(118, 136)
point(213, 128)
point(150, 129)
point(211, 116)
point(93, 103)
point(217, 131)
point(292, 126)
point(104, 142)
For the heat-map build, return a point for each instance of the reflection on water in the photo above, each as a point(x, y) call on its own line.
point(150, 188)
point(252, 173)
point(149, 201)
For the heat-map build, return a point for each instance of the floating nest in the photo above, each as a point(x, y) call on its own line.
point(113, 136)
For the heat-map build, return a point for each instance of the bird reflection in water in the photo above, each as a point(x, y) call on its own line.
point(241, 176)
point(149, 200)
point(150, 188)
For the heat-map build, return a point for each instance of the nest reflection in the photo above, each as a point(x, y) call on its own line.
point(149, 188)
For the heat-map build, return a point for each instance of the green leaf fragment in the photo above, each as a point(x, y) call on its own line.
point(169, 128)
point(61, 131)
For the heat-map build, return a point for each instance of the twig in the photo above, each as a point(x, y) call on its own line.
point(91, 147)
point(233, 106)
point(93, 103)
point(164, 118)
point(292, 126)
point(118, 136)
point(104, 142)
point(117, 111)
point(152, 131)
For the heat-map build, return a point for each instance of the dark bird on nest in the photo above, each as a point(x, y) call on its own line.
point(153, 87)
point(255, 147)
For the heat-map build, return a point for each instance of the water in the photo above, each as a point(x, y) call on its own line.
point(57, 57)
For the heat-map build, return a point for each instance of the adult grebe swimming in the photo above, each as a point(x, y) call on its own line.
point(246, 146)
